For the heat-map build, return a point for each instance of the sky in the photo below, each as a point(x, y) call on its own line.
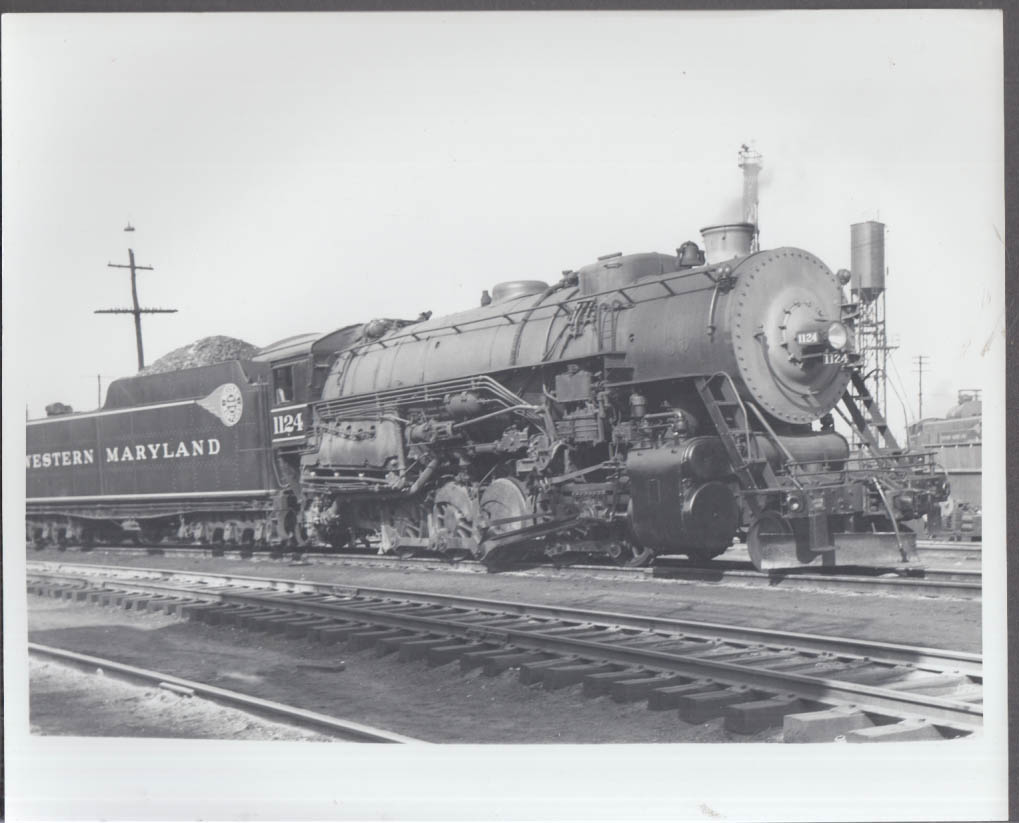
point(291, 173)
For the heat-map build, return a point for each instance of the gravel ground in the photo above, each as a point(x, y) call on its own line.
point(436, 705)
point(923, 621)
point(66, 700)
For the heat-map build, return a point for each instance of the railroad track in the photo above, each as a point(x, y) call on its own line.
point(907, 580)
point(814, 688)
point(969, 551)
point(959, 544)
point(291, 715)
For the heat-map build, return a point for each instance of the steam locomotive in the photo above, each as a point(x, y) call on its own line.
point(643, 404)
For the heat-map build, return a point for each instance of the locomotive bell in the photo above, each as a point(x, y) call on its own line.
point(689, 255)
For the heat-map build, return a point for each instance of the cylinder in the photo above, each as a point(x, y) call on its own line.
point(727, 241)
point(867, 259)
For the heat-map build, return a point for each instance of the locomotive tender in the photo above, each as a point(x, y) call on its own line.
point(643, 404)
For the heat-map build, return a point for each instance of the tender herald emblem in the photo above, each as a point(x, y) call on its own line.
point(226, 402)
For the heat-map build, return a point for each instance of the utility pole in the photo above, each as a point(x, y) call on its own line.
point(137, 311)
point(921, 360)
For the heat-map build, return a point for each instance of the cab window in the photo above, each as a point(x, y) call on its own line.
point(283, 384)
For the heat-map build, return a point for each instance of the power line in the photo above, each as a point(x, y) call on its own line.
point(137, 311)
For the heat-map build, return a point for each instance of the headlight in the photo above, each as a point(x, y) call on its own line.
point(838, 336)
point(793, 503)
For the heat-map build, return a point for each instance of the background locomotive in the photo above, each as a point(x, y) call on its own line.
point(643, 404)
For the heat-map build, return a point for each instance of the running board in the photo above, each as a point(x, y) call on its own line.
point(776, 552)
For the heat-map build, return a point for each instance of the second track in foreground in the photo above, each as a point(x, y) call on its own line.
point(814, 687)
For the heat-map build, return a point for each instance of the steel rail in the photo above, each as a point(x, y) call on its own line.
point(975, 545)
point(892, 653)
point(958, 548)
point(293, 715)
point(366, 607)
point(956, 713)
point(963, 582)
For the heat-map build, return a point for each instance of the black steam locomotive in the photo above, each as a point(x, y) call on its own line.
point(644, 404)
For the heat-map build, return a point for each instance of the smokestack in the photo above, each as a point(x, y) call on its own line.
point(750, 163)
point(727, 241)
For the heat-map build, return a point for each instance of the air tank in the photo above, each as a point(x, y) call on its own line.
point(867, 259)
point(727, 241)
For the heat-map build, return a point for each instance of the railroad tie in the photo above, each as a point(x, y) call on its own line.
point(474, 660)
point(823, 726)
point(907, 730)
point(159, 603)
point(534, 672)
point(768, 657)
point(336, 633)
point(599, 683)
point(191, 609)
point(497, 664)
point(302, 628)
point(875, 674)
point(562, 676)
point(815, 664)
point(218, 614)
point(259, 621)
point(95, 596)
point(281, 625)
point(668, 697)
point(441, 655)
point(630, 691)
point(238, 616)
point(758, 715)
point(704, 706)
point(389, 645)
point(366, 639)
point(416, 649)
point(933, 684)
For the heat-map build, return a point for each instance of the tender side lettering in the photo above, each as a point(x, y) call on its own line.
point(209, 447)
point(46, 460)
